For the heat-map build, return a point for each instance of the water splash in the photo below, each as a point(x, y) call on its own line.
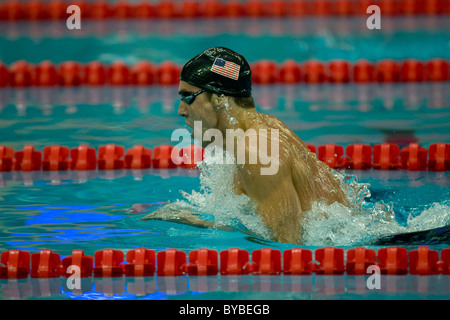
point(323, 225)
point(364, 220)
point(216, 201)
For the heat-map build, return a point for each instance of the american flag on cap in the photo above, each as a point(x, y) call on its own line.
point(226, 68)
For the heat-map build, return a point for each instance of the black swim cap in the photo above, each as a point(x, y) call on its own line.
point(219, 70)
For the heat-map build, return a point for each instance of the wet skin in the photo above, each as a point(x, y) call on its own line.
point(281, 198)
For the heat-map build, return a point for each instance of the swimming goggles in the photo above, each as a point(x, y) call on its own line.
point(189, 99)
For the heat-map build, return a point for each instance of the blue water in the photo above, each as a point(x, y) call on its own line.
point(67, 210)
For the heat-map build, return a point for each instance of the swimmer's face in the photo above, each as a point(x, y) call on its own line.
point(201, 109)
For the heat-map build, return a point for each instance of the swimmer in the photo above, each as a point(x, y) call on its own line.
point(215, 88)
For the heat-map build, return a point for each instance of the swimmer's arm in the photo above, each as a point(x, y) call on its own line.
point(276, 200)
point(173, 213)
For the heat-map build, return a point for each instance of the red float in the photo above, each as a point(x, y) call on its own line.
point(144, 10)
point(363, 71)
point(411, 7)
point(233, 9)
point(168, 73)
point(203, 262)
point(339, 71)
point(234, 261)
point(171, 262)
point(359, 156)
point(344, 7)
point(99, 9)
point(212, 8)
point(141, 263)
point(359, 259)
point(36, 10)
point(108, 263)
point(123, 10)
point(332, 155)
point(331, 261)
point(314, 72)
point(14, 264)
point(320, 7)
point(119, 74)
point(387, 71)
point(45, 264)
point(437, 70)
point(265, 72)
point(412, 71)
point(297, 261)
point(83, 158)
point(21, 74)
point(389, 7)
point(444, 263)
point(162, 157)
point(80, 260)
point(290, 72)
point(138, 157)
point(423, 261)
point(278, 8)
point(393, 260)
point(311, 148)
point(166, 9)
point(45, 74)
point(4, 75)
point(439, 157)
point(143, 73)
point(28, 159)
point(255, 8)
point(110, 157)
point(190, 9)
point(57, 10)
point(70, 73)
point(6, 158)
point(95, 74)
point(299, 8)
point(266, 261)
point(433, 7)
point(362, 5)
point(56, 158)
point(14, 10)
point(386, 156)
point(414, 157)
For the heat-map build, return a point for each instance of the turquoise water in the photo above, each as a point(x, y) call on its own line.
point(67, 210)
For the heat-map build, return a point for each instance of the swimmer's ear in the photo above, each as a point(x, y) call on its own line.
point(219, 100)
point(216, 100)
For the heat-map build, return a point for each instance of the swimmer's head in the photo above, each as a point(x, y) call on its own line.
point(214, 86)
point(219, 70)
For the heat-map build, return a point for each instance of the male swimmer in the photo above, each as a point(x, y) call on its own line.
point(215, 88)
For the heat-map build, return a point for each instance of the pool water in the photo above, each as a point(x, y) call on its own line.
point(92, 211)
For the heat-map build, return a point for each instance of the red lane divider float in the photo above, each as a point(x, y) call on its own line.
point(145, 73)
point(33, 10)
point(385, 156)
point(15, 264)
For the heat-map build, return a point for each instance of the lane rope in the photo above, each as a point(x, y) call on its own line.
point(32, 10)
point(392, 260)
point(145, 73)
point(384, 156)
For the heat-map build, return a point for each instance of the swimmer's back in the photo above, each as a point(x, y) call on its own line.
point(313, 179)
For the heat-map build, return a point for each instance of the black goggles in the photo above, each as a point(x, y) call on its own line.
point(189, 99)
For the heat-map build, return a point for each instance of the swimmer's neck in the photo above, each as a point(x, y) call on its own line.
point(235, 117)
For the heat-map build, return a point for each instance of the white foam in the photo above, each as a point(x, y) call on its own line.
point(343, 226)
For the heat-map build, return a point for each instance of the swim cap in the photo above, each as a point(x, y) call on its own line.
point(219, 70)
